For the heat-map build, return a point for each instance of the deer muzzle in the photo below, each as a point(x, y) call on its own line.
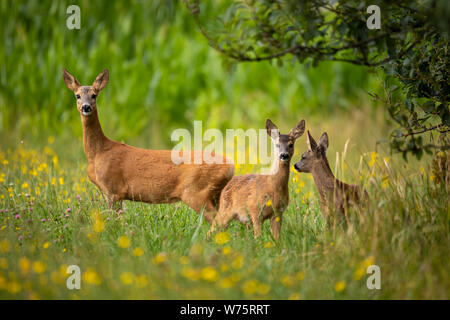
point(86, 109)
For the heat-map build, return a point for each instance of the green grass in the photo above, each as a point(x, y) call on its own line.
point(164, 76)
point(405, 232)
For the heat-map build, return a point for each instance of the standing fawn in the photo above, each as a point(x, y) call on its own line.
point(334, 195)
point(123, 172)
point(261, 196)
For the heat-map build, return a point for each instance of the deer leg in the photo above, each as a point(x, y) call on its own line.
point(199, 203)
point(256, 220)
point(275, 226)
point(113, 202)
point(210, 211)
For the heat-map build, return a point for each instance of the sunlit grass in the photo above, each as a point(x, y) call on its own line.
point(51, 217)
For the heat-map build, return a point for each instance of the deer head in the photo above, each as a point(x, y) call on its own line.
point(86, 95)
point(315, 154)
point(284, 143)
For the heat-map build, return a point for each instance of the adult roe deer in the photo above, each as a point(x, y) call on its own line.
point(334, 195)
point(123, 172)
point(263, 196)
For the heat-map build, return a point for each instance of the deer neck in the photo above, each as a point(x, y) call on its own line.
point(280, 174)
point(323, 178)
point(93, 137)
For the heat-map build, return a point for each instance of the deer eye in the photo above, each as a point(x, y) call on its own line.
point(78, 96)
point(291, 145)
point(94, 96)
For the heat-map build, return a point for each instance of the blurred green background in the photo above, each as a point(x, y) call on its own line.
point(163, 74)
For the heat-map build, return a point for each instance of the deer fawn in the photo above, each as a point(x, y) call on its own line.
point(334, 195)
point(261, 196)
point(123, 172)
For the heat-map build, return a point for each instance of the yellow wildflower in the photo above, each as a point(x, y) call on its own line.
point(263, 288)
point(295, 296)
point(124, 242)
point(368, 262)
point(373, 159)
point(339, 286)
point(222, 238)
point(226, 250)
point(14, 287)
point(301, 275)
point(224, 267)
point(39, 266)
point(5, 246)
point(141, 281)
point(160, 258)
point(99, 224)
point(138, 252)
point(92, 277)
point(3, 263)
point(190, 273)
point(126, 278)
point(359, 273)
point(209, 274)
point(269, 244)
point(250, 286)
point(226, 283)
point(55, 160)
point(184, 260)
point(287, 281)
point(238, 262)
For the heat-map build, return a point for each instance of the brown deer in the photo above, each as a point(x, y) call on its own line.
point(334, 195)
point(123, 172)
point(264, 196)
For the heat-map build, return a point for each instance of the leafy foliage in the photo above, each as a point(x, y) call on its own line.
point(410, 47)
point(162, 74)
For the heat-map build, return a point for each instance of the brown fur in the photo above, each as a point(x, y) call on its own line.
point(123, 172)
point(245, 197)
point(335, 195)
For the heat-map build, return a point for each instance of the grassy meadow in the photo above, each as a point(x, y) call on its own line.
point(164, 76)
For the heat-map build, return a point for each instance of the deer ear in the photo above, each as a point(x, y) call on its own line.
point(70, 81)
point(323, 142)
point(298, 130)
point(101, 80)
point(272, 129)
point(311, 142)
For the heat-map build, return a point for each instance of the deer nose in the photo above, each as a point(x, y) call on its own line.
point(284, 156)
point(86, 108)
point(296, 167)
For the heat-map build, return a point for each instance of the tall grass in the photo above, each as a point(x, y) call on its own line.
point(164, 76)
point(52, 217)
